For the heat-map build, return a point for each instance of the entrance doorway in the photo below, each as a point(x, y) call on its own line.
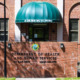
point(38, 32)
point(78, 69)
point(78, 73)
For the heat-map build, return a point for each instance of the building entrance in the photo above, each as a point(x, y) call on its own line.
point(38, 32)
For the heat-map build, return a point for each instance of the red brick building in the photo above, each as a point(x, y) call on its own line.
point(53, 24)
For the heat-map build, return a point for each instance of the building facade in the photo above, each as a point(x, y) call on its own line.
point(51, 24)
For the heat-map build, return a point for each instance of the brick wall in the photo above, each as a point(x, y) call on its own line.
point(51, 1)
point(69, 10)
point(65, 66)
point(76, 10)
point(10, 13)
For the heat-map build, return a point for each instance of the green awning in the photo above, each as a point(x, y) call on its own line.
point(38, 12)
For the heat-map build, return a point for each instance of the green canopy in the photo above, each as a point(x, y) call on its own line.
point(38, 12)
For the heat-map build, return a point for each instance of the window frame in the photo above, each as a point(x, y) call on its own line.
point(73, 30)
point(6, 30)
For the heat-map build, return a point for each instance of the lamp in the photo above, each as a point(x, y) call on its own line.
point(9, 45)
point(61, 45)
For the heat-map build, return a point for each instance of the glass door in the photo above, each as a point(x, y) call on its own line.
point(38, 34)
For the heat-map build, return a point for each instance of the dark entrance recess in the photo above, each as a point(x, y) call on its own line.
point(78, 70)
point(78, 73)
point(38, 32)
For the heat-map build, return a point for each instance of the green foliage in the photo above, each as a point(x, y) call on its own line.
point(77, 78)
point(7, 78)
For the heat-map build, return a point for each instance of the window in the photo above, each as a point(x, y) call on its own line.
point(73, 35)
point(2, 29)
